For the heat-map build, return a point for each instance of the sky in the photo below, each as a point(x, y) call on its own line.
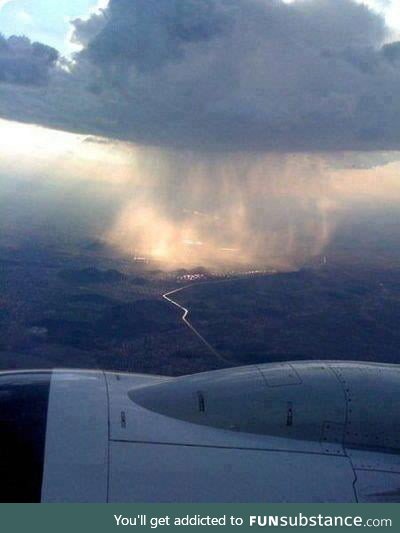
point(44, 20)
point(226, 130)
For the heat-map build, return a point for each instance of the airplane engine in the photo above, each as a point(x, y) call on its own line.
point(286, 432)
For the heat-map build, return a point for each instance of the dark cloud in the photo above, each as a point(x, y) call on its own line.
point(25, 62)
point(146, 34)
point(230, 75)
point(392, 52)
point(84, 30)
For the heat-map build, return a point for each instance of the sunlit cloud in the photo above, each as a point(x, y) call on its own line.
point(390, 10)
point(72, 45)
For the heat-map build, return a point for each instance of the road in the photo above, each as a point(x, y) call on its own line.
point(185, 313)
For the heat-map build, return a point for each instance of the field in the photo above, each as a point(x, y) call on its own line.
point(325, 313)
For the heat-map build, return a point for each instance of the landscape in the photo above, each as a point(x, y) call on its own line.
point(90, 308)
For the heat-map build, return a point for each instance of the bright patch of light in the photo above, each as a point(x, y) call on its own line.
point(25, 139)
point(34, 149)
point(24, 17)
point(4, 2)
point(190, 242)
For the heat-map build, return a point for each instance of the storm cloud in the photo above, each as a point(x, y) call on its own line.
point(226, 75)
point(24, 62)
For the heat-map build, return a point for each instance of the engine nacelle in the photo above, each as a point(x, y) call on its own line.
point(304, 431)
